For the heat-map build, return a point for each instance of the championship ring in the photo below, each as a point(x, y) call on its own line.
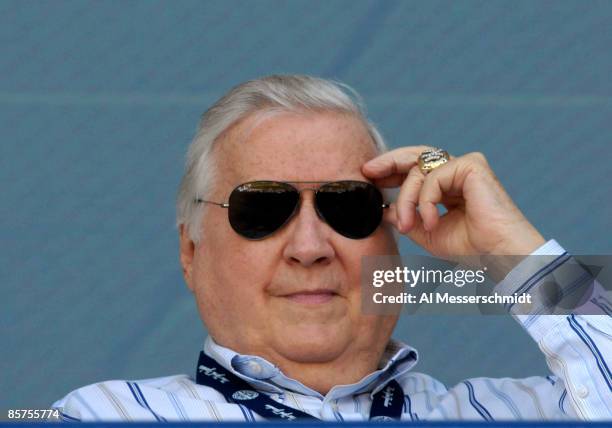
point(431, 159)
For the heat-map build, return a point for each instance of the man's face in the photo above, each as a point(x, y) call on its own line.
point(294, 295)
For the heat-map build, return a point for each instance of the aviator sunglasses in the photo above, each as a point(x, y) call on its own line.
point(257, 209)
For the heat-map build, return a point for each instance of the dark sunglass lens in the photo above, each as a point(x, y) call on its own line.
point(351, 208)
point(259, 208)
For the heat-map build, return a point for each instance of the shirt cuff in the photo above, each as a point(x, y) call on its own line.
point(525, 278)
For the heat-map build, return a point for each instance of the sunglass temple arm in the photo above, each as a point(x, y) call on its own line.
point(221, 204)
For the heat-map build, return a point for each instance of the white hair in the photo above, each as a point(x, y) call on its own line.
point(276, 93)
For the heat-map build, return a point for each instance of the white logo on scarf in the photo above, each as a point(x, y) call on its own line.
point(211, 372)
point(244, 394)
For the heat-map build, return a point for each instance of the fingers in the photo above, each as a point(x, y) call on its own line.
point(432, 193)
point(446, 185)
point(390, 215)
point(396, 168)
point(408, 199)
point(398, 161)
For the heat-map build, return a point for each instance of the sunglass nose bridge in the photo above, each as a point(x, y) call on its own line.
point(299, 204)
point(314, 189)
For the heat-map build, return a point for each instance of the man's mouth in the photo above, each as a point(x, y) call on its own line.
point(313, 297)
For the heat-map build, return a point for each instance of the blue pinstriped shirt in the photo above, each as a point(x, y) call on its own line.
point(578, 349)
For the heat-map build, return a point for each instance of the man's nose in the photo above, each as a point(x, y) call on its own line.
point(309, 237)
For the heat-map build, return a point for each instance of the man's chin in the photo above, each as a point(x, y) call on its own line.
point(313, 344)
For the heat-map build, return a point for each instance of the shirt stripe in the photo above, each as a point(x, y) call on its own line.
point(536, 277)
point(139, 396)
point(115, 402)
point(180, 411)
point(68, 418)
point(476, 404)
point(601, 362)
point(244, 412)
point(504, 398)
point(562, 400)
point(602, 305)
point(83, 402)
point(534, 399)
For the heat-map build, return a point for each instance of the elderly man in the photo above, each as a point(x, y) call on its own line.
point(279, 203)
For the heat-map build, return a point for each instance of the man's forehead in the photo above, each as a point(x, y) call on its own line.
point(295, 147)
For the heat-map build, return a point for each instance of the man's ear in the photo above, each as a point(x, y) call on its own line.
point(187, 251)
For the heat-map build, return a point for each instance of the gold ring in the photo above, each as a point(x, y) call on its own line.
point(430, 159)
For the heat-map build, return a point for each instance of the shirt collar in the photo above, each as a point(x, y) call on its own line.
point(398, 358)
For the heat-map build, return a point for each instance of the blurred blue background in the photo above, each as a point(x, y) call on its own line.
point(99, 100)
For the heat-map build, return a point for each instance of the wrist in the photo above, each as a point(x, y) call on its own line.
point(507, 256)
point(519, 242)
